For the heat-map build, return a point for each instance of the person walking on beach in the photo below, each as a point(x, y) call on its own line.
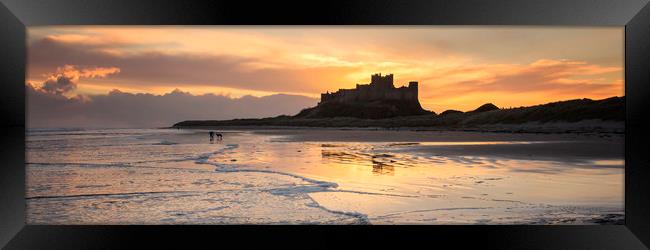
point(211, 136)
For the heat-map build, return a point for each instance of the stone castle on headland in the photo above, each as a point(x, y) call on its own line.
point(379, 99)
point(380, 88)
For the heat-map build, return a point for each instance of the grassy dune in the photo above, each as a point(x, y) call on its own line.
point(610, 110)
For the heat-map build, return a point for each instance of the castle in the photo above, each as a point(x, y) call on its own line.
point(377, 100)
point(380, 88)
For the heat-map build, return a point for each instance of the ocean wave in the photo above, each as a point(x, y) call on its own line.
point(73, 196)
point(164, 143)
point(362, 218)
point(317, 185)
point(42, 130)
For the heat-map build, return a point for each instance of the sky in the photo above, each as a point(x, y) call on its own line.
point(79, 75)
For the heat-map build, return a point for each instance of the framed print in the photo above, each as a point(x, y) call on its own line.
point(516, 124)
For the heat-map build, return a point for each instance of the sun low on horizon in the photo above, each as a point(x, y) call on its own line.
point(457, 67)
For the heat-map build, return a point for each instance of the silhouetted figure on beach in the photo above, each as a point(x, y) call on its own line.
point(212, 134)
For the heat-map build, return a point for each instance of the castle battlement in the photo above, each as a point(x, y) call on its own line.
point(379, 88)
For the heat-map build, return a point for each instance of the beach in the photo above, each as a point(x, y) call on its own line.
point(323, 176)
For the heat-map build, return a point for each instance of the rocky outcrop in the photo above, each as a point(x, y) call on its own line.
point(369, 110)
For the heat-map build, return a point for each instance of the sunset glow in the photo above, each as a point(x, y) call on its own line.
point(457, 67)
point(311, 125)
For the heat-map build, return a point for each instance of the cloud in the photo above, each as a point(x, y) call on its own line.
point(508, 66)
point(466, 87)
point(65, 79)
point(566, 77)
point(127, 110)
point(156, 68)
point(58, 85)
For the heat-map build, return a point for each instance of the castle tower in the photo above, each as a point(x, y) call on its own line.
point(383, 82)
point(413, 90)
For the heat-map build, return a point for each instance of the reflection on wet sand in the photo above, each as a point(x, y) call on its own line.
point(383, 169)
point(379, 163)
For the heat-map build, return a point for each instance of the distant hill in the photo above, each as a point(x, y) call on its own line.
point(451, 111)
point(610, 109)
point(569, 111)
point(485, 108)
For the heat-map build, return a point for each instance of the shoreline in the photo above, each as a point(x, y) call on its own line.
point(608, 128)
point(572, 116)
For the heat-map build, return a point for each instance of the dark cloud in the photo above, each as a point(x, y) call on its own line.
point(64, 80)
point(119, 109)
point(59, 85)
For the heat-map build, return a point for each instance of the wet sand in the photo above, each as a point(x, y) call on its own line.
point(324, 176)
point(529, 146)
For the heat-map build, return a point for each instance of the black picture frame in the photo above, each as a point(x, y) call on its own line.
point(15, 15)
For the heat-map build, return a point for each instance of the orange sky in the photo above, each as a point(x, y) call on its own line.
point(458, 67)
